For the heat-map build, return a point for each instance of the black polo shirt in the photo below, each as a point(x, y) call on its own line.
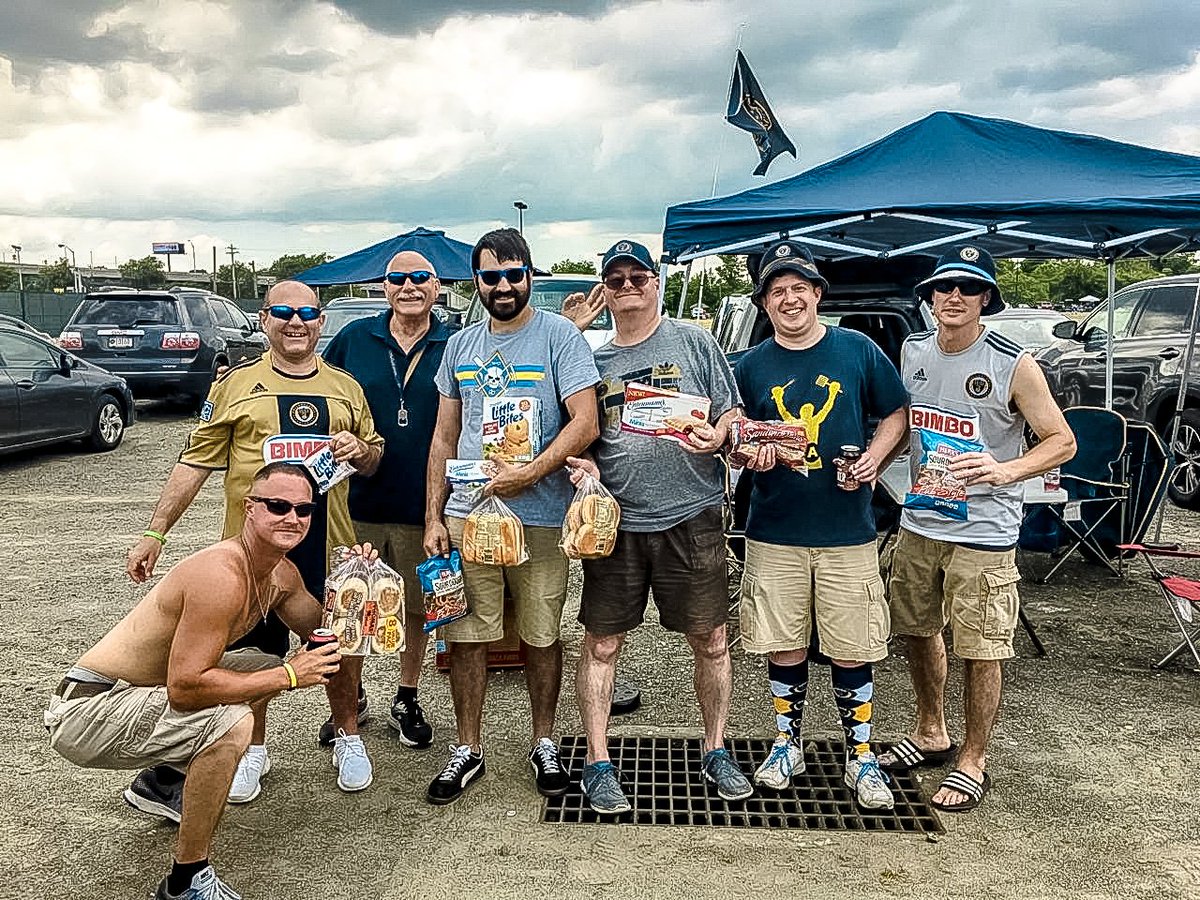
point(395, 494)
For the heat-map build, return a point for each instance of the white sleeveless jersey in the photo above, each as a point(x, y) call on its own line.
point(966, 394)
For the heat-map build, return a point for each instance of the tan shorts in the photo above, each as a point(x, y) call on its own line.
point(936, 582)
point(783, 588)
point(538, 588)
point(400, 546)
point(130, 727)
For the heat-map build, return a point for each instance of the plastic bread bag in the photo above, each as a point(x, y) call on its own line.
point(350, 585)
point(445, 596)
point(937, 488)
point(383, 618)
point(493, 535)
point(589, 530)
point(747, 438)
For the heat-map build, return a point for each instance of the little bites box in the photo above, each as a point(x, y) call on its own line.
point(512, 428)
point(659, 413)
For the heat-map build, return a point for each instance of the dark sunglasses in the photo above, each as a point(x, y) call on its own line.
point(420, 276)
point(491, 277)
point(637, 279)
point(278, 507)
point(966, 287)
point(284, 313)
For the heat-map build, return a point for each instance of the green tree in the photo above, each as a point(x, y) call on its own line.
point(245, 283)
point(57, 276)
point(291, 264)
point(574, 267)
point(671, 293)
point(146, 273)
point(8, 279)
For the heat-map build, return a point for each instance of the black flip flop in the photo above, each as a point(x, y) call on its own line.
point(960, 781)
point(910, 756)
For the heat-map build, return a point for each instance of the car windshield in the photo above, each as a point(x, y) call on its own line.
point(1032, 333)
point(127, 311)
point(338, 317)
point(549, 294)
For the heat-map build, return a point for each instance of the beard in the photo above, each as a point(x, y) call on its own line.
point(507, 314)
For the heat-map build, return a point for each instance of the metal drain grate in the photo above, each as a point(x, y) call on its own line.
point(661, 778)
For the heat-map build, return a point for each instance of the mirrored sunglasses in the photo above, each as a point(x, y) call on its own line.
point(284, 313)
point(277, 507)
point(418, 277)
point(491, 277)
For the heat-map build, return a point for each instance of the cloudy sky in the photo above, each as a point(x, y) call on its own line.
point(324, 125)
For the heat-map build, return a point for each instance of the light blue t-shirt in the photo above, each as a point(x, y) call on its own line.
point(546, 361)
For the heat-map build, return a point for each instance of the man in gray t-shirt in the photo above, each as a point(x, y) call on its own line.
point(671, 538)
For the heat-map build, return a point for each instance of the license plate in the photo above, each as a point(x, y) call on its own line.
point(120, 343)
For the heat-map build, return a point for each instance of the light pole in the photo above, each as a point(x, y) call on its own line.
point(521, 206)
point(74, 269)
point(20, 276)
point(193, 246)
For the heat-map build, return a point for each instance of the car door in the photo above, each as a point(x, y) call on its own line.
point(235, 341)
point(1151, 358)
point(10, 413)
point(248, 346)
point(1082, 365)
point(51, 403)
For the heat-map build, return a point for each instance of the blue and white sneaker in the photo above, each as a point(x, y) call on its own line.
point(719, 768)
point(351, 760)
point(205, 886)
point(785, 761)
point(601, 783)
point(869, 783)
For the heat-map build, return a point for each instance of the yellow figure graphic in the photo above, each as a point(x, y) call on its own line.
point(808, 416)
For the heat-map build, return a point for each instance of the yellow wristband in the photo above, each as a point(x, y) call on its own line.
point(291, 674)
point(161, 538)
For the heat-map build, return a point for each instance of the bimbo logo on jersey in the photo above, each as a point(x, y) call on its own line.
point(930, 418)
point(293, 448)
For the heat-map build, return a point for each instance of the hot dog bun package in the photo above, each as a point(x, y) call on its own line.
point(590, 529)
point(364, 605)
point(937, 488)
point(445, 596)
point(748, 437)
point(493, 535)
point(661, 413)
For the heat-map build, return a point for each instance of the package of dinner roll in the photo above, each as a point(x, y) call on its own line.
point(442, 587)
point(493, 535)
point(590, 529)
point(364, 605)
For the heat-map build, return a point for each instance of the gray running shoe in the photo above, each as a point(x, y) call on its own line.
point(601, 784)
point(159, 792)
point(721, 770)
point(205, 886)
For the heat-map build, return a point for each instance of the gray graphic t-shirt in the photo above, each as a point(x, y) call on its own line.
point(657, 482)
point(512, 387)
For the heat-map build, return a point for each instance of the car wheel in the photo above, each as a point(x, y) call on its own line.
point(108, 425)
point(1184, 488)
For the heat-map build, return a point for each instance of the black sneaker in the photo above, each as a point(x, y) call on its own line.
point(408, 719)
point(552, 779)
point(328, 732)
point(462, 767)
point(159, 792)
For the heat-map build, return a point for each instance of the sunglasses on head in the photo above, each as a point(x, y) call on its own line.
point(284, 313)
point(420, 276)
point(966, 287)
point(637, 279)
point(491, 277)
point(277, 507)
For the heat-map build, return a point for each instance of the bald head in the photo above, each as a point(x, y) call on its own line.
point(410, 301)
point(293, 293)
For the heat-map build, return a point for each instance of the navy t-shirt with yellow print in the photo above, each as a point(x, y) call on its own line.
point(832, 387)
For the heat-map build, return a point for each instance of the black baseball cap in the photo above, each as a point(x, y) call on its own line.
point(630, 250)
point(787, 256)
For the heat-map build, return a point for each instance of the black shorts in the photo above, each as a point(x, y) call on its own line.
point(684, 566)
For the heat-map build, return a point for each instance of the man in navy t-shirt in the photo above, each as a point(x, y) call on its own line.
point(810, 544)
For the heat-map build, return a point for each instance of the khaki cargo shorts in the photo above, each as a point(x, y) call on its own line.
point(935, 583)
point(785, 588)
point(401, 547)
point(538, 588)
point(129, 727)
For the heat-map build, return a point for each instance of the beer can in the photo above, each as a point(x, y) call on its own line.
point(847, 456)
point(319, 638)
point(1051, 481)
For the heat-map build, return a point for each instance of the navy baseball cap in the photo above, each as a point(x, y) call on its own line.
point(787, 256)
point(630, 250)
point(966, 261)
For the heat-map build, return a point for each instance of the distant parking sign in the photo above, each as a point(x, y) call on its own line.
point(168, 248)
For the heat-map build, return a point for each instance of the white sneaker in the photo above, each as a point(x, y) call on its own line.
point(351, 761)
point(869, 783)
point(785, 760)
point(247, 781)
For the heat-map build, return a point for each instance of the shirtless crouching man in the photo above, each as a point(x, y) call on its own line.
point(160, 687)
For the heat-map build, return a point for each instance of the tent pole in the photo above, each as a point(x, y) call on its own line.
point(687, 276)
point(1108, 354)
point(1181, 397)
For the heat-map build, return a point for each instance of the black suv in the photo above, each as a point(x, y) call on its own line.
point(162, 342)
point(1151, 322)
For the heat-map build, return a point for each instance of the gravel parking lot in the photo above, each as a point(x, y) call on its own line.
point(1096, 794)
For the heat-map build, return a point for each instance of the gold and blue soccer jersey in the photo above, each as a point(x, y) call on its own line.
point(256, 415)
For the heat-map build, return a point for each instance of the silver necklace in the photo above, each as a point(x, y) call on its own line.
point(253, 581)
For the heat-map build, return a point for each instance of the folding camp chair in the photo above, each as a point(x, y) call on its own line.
point(1182, 595)
point(1097, 486)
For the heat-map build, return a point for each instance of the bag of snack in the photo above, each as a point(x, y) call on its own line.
point(442, 586)
point(590, 529)
point(747, 438)
point(493, 535)
point(937, 488)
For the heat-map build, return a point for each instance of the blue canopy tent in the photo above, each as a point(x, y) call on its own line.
point(451, 259)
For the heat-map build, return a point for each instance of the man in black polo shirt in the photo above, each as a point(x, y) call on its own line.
point(394, 356)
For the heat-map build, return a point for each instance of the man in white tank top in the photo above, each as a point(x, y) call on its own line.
point(972, 392)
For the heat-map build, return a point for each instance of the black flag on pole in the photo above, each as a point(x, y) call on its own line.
point(749, 111)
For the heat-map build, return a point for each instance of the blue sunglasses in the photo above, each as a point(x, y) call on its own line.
point(491, 277)
point(420, 276)
point(284, 313)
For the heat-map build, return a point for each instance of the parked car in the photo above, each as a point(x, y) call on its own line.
point(1151, 330)
point(162, 342)
point(48, 395)
point(22, 325)
point(341, 312)
point(549, 292)
point(1033, 329)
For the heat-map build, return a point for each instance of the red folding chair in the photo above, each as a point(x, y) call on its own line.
point(1181, 594)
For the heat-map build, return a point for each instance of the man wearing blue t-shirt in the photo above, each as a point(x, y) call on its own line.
point(811, 558)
